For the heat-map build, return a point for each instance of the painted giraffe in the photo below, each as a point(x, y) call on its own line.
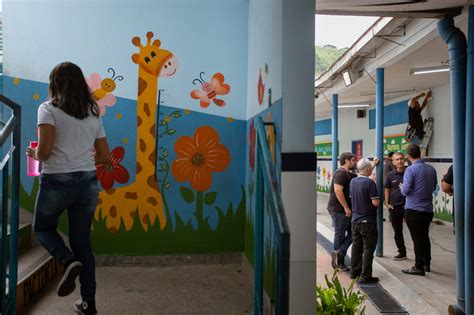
point(143, 195)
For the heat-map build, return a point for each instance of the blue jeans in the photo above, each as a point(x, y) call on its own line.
point(342, 231)
point(77, 192)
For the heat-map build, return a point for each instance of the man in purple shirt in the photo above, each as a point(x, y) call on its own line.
point(419, 183)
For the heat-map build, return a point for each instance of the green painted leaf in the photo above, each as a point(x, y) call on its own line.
point(165, 153)
point(188, 194)
point(210, 198)
point(167, 185)
point(176, 114)
point(164, 167)
point(171, 132)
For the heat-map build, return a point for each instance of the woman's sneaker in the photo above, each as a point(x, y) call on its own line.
point(84, 307)
point(68, 282)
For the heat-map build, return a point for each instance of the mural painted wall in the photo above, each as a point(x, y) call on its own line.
point(172, 101)
point(264, 99)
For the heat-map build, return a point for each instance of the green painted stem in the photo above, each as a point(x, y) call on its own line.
point(199, 208)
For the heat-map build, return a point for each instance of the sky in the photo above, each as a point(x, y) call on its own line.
point(340, 31)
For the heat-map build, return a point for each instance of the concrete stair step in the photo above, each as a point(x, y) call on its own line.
point(24, 237)
point(36, 268)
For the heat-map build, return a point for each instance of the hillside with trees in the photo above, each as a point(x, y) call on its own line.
point(326, 56)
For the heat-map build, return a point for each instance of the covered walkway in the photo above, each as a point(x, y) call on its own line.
point(418, 295)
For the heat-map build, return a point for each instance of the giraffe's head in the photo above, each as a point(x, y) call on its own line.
point(153, 60)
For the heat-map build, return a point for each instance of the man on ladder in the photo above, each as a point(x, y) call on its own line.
point(419, 132)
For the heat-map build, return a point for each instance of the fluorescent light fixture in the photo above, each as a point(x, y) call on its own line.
point(352, 105)
point(370, 93)
point(347, 78)
point(427, 70)
point(350, 76)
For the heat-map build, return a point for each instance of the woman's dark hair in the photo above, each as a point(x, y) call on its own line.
point(69, 91)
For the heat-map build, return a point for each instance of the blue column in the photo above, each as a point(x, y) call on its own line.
point(469, 180)
point(457, 45)
point(334, 127)
point(379, 107)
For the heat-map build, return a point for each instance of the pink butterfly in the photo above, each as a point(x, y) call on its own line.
point(102, 89)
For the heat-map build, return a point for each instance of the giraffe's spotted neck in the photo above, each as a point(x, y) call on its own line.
point(146, 125)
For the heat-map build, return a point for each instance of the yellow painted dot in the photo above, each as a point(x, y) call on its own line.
point(230, 119)
point(16, 81)
point(167, 118)
point(125, 140)
point(118, 116)
point(36, 96)
point(187, 111)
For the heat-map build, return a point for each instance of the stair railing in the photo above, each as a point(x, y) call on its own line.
point(268, 196)
point(9, 245)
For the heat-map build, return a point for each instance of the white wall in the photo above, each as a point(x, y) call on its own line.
point(440, 109)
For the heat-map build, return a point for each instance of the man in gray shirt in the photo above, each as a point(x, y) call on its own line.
point(419, 183)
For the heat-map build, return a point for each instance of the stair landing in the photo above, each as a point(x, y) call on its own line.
point(184, 289)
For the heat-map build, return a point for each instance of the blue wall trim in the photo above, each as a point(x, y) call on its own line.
point(322, 127)
point(394, 114)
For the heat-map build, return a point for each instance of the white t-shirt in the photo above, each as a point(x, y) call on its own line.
point(73, 140)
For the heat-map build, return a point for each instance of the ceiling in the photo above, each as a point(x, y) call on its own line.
point(394, 8)
point(397, 77)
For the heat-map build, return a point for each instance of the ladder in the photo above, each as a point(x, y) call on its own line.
point(425, 141)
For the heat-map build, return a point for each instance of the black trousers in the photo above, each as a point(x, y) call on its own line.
point(364, 240)
point(397, 214)
point(419, 225)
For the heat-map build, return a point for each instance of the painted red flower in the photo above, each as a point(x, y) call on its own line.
point(117, 173)
point(252, 138)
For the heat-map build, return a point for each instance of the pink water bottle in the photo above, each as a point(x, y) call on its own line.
point(32, 165)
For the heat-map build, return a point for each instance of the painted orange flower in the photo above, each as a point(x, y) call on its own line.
point(198, 157)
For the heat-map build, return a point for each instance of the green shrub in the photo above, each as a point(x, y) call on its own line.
point(336, 300)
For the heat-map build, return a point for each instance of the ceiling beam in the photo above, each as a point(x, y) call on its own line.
point(376, 11)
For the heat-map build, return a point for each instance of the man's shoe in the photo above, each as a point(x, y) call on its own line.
point(368, 280)
point(68, 282)
point(427, 268)
point(400, 257)
point(334, 258)
point(414, 271)
point(84, 307)
point(343, 267)
point(354, 275)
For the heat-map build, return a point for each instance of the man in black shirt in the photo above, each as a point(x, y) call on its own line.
point(415, 120)
point(339, 207)
point(365, 201)
point(395, 203)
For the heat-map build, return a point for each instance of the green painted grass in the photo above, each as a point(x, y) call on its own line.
point(249, 238)
point(269, 265)
point(227, 237)
point(443, 214)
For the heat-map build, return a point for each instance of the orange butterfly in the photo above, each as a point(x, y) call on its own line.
point(210, 90)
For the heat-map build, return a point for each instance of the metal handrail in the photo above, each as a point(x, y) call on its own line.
point(9, 246)
point(267, 185)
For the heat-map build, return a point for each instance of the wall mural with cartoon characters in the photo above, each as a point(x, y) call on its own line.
point(178, 181)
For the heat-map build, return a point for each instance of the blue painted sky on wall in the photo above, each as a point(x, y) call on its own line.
point(98, 36)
